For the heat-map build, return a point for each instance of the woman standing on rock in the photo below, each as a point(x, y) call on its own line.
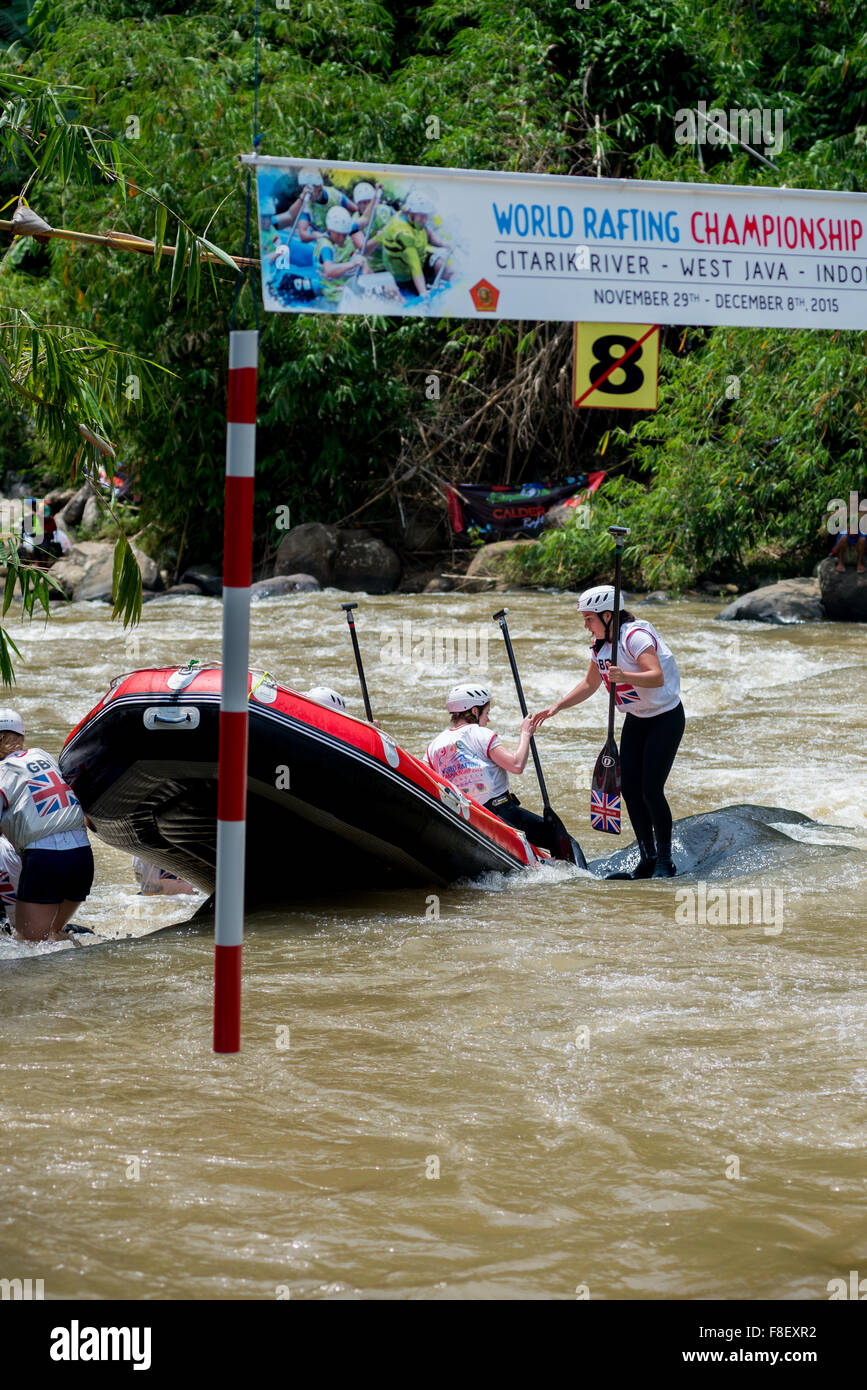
point(647, 687)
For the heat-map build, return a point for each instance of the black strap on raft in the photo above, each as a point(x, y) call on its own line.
point(565, 846)
point(347, 608)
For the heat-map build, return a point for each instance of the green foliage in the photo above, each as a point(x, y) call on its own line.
point(755, 434)
point(126, 584)
point(129, 115)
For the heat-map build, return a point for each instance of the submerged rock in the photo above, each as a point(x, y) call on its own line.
point(284, 584)
point(733, 841)
point(790, 601)
point(206, 578)
point(182, 591)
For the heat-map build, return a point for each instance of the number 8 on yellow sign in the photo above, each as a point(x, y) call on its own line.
point(616, 366)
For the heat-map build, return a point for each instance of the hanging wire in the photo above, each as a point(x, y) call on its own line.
point(257, 141)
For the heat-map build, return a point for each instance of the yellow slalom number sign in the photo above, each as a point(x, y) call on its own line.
point(616, 366)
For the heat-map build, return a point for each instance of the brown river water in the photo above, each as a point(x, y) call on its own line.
point(540, 1086)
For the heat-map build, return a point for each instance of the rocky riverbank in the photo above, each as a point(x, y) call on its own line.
point(315, 556)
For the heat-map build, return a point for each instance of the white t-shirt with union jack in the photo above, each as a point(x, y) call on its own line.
point(643, 701)
point(35, 802)
point(462, 754)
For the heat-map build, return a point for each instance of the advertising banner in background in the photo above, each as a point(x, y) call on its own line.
point(518, 507)
point(469, 243)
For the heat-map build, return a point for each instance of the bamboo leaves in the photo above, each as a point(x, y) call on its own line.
point(126, 584)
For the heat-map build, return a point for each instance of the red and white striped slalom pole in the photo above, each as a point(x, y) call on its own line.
point(232, 774)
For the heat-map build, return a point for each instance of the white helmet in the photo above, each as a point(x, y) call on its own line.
point(338, 220)
point(417, 202)
point(464, 697)
point(599, 600)
point(11, 722)
point(310, 178)
point(324, 695)
point(363, 192)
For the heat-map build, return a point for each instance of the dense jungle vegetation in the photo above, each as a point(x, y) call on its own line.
point(714, 483)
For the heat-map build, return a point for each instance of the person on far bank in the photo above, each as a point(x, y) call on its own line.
point(855, 539)
point(647, 688)
point(470, 755)
point(44, 822)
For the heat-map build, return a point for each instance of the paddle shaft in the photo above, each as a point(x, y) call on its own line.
point(367, 230)
point(347, 608)
point(504, 627)
point(615, 637)
point(305, 199)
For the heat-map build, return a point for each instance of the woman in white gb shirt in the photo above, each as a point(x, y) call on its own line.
point(44, 822)
point(647, 688)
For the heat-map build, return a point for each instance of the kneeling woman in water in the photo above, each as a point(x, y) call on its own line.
point(471, 755)
point(647, 687)
point(45, 823)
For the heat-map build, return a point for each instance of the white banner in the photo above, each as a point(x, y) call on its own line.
point(467, 243)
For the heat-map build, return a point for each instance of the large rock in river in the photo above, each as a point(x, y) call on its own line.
point(492, 561)
point(87, 571)
point(70, 515)
point(353, 560)
point(844, 594)
point(790, 601)
point(308, 549)
point(365, 564)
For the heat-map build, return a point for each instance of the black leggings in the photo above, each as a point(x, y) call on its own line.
point(533, 826)
point(647, 751)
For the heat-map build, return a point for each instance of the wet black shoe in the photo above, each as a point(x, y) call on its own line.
point(645, 866)
point(75, 929)
point(665, 867)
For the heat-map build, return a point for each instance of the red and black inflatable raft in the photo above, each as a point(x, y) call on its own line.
point(332, 803)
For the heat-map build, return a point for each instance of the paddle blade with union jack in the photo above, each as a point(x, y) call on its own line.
point(605, 791)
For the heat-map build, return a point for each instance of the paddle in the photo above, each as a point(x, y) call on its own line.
point(305, 199)
point(367, 230)
point(605, 788)
point(347, 608)
point(566, 848)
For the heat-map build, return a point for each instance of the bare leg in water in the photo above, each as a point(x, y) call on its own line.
point(43, 921)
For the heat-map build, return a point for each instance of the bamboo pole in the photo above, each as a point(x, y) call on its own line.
point(116, 241)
